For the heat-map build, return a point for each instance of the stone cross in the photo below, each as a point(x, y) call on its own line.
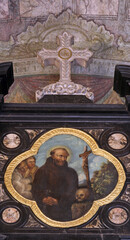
point(65, 55)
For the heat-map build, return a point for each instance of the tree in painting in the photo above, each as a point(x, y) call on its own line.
point(104, 180)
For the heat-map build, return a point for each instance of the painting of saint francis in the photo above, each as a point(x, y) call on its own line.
point(65, 177)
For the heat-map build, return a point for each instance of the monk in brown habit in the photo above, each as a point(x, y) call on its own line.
point(55, 185)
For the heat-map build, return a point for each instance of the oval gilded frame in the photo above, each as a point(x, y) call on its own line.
point(95, 150)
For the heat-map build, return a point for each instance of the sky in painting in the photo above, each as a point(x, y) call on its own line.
point(75, 146)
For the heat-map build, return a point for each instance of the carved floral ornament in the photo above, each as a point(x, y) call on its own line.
point(43, 142)
point(43, 35)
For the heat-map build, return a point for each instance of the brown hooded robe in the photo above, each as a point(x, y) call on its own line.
point(59, 182)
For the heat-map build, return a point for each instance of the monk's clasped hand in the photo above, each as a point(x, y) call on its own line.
point(50, 201)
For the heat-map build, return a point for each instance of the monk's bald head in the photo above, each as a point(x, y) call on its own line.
point(58, 149)
point(59, 155)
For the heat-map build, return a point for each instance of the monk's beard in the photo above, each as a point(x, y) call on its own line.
point(57, 163)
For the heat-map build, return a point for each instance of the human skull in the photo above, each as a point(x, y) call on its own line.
point(82, 194)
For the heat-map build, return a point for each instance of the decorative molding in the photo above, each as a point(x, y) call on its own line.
point(64, 88)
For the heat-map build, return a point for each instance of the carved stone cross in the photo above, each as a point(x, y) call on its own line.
point(62, 57)
point(65, 55)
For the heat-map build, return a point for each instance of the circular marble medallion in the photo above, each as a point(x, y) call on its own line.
point(11, 140)
point(117, 141)
point(10, 215)
point(117, 215)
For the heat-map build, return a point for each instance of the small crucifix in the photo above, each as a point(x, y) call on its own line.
point(84, 156)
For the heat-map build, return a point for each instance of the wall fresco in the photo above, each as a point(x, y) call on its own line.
point(102, 7)
point(128, 8)
point(24, 88)
point(4, 10)
point(38, 8)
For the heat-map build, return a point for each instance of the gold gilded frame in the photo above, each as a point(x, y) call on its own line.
point(95, 150)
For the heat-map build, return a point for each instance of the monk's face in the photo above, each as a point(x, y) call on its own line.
point(30, 162)
point(60, 157)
